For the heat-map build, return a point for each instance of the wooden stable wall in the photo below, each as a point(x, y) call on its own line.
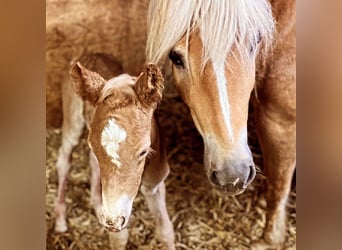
point(76, 27)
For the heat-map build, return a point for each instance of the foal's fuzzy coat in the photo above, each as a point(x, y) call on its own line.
point(122, 132)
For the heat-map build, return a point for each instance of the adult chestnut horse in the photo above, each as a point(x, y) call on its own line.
point(216, 48)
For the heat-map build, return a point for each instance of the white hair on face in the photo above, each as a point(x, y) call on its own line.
point(117, 82)
point(114, 207)
point(222, 83)
point(222, 25)
point(111, 137)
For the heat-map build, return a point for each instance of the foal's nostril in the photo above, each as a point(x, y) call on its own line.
point(251, 175)
point(213, 178)
point(123, 220)
point(109, 223)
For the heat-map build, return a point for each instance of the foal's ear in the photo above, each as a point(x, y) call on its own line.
point(88, 84)
point(149, 86)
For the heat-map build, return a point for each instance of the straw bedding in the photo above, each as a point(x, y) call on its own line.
point(202, 217)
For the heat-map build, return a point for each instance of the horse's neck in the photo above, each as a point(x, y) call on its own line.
point(284, 12)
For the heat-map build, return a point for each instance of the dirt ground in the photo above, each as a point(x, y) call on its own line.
point(202, 217)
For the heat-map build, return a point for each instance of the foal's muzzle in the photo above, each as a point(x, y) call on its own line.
point(115, 225)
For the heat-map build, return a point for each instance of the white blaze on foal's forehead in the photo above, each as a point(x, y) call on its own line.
point(111, 137)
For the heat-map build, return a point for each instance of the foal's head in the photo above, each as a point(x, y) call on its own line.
point(119, 134)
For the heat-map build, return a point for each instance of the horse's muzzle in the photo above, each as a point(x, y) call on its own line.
point(233, 181)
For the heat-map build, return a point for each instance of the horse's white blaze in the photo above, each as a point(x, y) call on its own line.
point(111, 137)
point(222, 85)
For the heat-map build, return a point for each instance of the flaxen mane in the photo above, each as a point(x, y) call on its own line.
point(222, 25)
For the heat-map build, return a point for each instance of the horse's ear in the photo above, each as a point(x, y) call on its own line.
point(149, 86)
point(88, 84)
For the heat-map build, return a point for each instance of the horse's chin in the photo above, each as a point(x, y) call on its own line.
point(226, 191)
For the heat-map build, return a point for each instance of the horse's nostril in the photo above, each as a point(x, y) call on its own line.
point(251, 175)
point(213, 178)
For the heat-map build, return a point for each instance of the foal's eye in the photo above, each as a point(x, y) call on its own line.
point(143, 153)
point(176, 58)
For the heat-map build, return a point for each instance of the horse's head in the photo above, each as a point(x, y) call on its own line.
point(212, 46)
point(218, 96)
point(119, 134)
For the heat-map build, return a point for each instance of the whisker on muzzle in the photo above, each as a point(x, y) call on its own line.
point(260, 173)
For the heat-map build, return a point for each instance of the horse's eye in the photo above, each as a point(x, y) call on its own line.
point(176, 58)
point(255, 44)
point(257, 41)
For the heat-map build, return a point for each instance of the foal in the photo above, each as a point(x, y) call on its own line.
point(126, 147)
